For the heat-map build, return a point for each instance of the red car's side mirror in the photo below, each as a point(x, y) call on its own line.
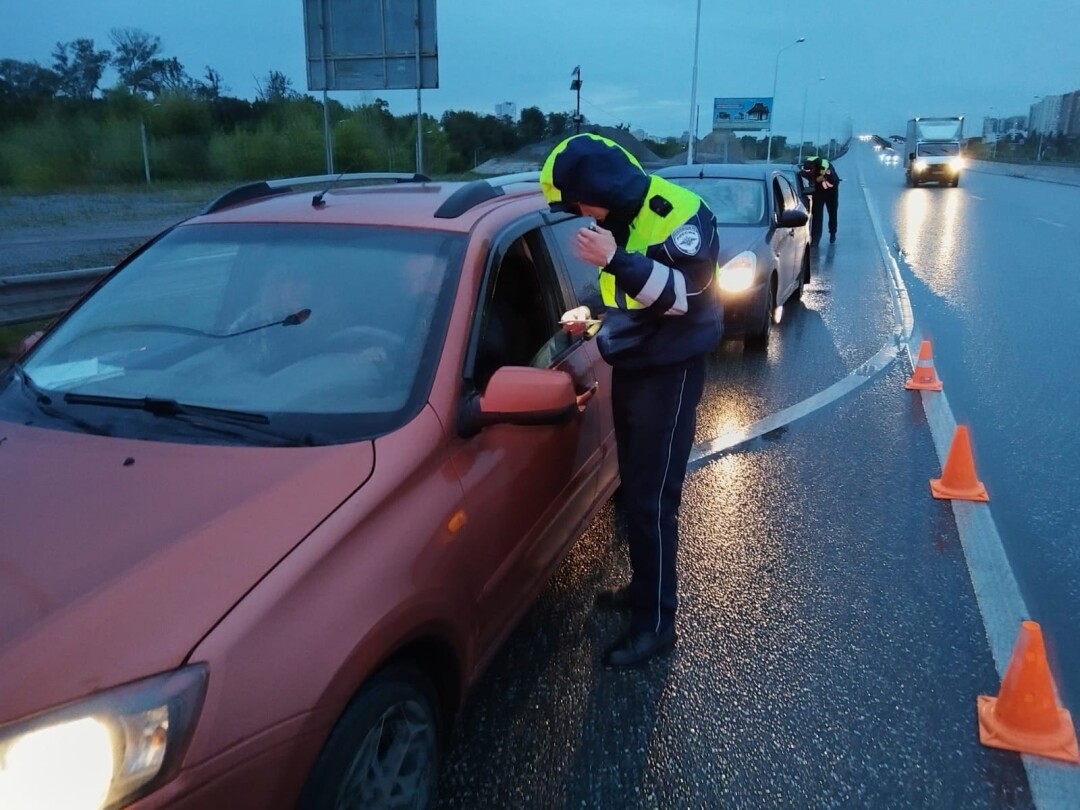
point(519, 395)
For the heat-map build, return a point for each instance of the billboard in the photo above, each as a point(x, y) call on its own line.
point(370, 44)
point(742, 113)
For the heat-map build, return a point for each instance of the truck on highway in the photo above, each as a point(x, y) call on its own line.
point(933, 150)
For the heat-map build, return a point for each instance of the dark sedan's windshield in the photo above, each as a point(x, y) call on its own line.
point(327, 330)
point(734, 201)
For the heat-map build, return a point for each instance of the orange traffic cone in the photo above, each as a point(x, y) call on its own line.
point(1025, 716)
point(923, 376)
point(958, 480)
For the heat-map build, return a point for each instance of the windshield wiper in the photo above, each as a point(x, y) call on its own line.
point(295, 319)
point(165, 407)
point(194, 415)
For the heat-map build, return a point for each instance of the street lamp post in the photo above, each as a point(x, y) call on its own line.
point(575, 85)
point(802, 132)
point(693, 92)
point(829, 129)
point(772, 113)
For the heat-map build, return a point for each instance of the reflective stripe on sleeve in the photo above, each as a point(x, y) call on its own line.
point(680, 306)
point(654, 287)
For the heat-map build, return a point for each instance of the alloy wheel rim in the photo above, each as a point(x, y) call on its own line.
point(392, 767)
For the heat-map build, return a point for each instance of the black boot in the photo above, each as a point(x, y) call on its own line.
point(636, 648)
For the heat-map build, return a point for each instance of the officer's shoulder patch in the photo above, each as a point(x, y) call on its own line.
point(687, 238)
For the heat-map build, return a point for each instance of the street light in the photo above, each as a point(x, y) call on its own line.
point(829, 129)
point(772, 113)
point(802, 132)
point(575, 85)
point(818, 142)
point(693, 92)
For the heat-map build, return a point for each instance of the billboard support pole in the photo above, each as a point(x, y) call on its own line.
point(326, 83)
point(419, 116)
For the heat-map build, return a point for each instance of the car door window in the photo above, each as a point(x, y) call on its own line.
point(522, 303)
point(777, 197)
point(583, 277)
point(787, 192)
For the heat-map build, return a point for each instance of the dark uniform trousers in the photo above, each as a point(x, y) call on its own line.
point(655, 412)
point(824, 199)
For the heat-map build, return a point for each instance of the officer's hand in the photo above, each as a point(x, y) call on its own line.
point(576, 320)
point(594, 245)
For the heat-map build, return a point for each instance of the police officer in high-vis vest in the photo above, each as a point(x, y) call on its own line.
point(825, 186)
point(656, 247)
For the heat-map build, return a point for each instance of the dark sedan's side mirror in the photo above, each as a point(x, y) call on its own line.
point(793, 218)
point(520, 395)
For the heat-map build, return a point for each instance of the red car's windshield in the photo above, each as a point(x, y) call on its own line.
point(310, 325)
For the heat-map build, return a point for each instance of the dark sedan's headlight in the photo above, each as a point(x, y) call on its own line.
point(739, 273)
point(102, 751)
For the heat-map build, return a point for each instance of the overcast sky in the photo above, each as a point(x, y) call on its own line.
point(882, 62)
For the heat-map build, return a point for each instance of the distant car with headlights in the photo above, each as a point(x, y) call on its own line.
point(764, 240)
point(278, 487)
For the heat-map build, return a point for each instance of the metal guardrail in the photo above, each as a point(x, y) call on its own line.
point(40, 296)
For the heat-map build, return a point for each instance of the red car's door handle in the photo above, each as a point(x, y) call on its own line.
point(584, 396)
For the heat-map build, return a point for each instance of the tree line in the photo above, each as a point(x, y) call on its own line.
point(59, 127)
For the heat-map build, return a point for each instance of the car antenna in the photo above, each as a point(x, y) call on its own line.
point(317, 200)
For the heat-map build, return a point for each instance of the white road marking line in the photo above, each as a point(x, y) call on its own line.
point(708, 450)
point(1053, 784)
point(1050, 222)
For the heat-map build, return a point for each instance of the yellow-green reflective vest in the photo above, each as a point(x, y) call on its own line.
point(650, 228)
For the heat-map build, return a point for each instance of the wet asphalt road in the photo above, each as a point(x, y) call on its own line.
point(830, 645)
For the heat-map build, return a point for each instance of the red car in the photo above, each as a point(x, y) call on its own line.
point(276, 489)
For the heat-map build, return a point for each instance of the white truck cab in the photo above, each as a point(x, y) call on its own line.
point(933, 150)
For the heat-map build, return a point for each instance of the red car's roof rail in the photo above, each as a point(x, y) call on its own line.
point(472, 194)
point(268, 188)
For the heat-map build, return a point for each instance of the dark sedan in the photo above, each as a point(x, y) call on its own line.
point(764, 241)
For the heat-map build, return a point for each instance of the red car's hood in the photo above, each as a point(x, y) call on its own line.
point(118, 555)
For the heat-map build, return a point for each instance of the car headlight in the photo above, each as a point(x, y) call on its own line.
point(104, 750)
point(920, 165)
point(956, 164)
point(738, 274)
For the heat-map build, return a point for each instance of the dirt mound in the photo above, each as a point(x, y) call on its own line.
point(531, 157)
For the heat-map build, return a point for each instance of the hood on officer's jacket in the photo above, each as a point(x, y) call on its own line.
point(594, 172)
